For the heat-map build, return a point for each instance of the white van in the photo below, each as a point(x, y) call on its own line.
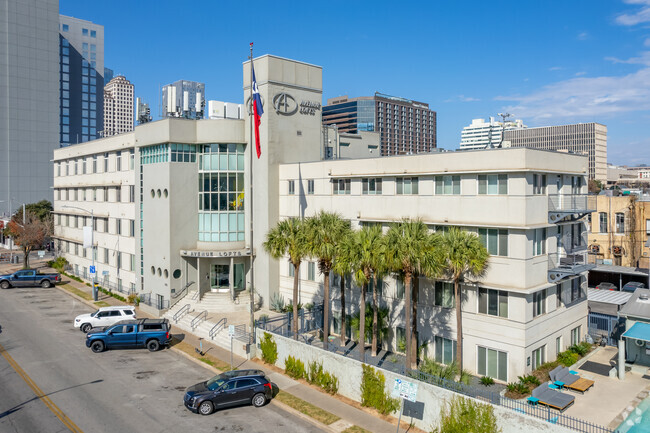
point(105, 316)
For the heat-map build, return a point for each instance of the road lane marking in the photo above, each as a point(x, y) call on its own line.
point(40, 394)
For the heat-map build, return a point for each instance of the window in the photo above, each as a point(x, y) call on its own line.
point(558, 344)
point(576, 289)
point(65, 28)
point(131, 228)
point(118, 194)
point(118, 226)
point(84, 32)
point(493, 184)
point(131, 193)
point(444, 295)
point(371, 185)
point(647, 227)
point(620, 223)
point(341, 186)
point(407, 186)
point(445, 350)
point(292, 187)
point(447, 185)
point(492, 363)
point(311, 271)
point(493, 302)
point(539, 357)
point(292, 270)
point(400, 338)
point(539, 242)
point(399, 288)
point(539, 184)
point(106, 163)
point(371, 285)
point(131, 157)
point(94, 166)
point(118, 162)
point(575, 335)
point(539, 303)
point(603, 222)
point(558, 295)
point(310, 186)
point(93, 33)
point(495, 240)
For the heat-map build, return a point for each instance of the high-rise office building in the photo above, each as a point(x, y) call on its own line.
point(405, 126)
point(29, 100)
point(481, 134)
point(108, 75)
point(585, 138)
point(183, 99)
point(118, 106)
point(82, 80)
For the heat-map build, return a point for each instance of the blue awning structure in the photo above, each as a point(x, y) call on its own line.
point(638, 331)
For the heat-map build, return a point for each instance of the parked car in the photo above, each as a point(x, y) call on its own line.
point(29, 278)
point(130, 334)
point(632, 286)
point(607, 286)
point(105, 316)
point(232, 388)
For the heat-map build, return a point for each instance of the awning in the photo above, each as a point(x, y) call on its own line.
point(638, 331)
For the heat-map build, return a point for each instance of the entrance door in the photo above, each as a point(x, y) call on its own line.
point(220, 277)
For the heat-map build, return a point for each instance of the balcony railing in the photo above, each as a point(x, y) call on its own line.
point(569, 207)
point(565, 264)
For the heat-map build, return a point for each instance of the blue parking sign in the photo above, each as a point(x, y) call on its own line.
point(92, 269)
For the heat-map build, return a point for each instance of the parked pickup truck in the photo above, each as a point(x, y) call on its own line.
point(29, 278)
point(150, 333)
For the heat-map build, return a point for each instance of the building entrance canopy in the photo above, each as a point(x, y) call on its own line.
point(639, 331)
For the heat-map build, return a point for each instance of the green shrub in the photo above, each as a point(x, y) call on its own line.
point(321, 378)
point(133, 299)
point(59, 264)
point(289, 307)
point(294, 368)
point(568, 358)
point(529, 379)
point(277, 303)
point(373, 391)
point(581, 348)
point(464, 415)
point(487, 381)
point(401, 345)
point(518, 387)
point(269, 349)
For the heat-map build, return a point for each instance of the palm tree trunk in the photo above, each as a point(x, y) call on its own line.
point(326, 309)
point(343, 310)
point(414, 330)
point(407, 319)
point(362, 323)
point(374, 318)
point(459, 327)
point(296, 273)
point(26, 252)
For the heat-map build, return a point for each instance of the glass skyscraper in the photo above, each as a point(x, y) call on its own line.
point(81, 54)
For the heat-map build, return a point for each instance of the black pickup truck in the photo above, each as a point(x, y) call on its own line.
point(28, 278)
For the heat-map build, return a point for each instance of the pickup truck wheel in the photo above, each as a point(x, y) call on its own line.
point(206, 408)
point(46, 284)
point(5, 284)
point(97, 346)
point(259, 400)
point(153, 345)
point(86, 327)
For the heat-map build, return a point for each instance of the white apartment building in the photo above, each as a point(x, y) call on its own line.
point(485, 135)
point(118, 106)
point(172, 209)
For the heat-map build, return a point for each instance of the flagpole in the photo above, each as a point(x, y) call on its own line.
point(250, 171)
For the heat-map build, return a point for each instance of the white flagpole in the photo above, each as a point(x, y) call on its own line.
point(250, 171)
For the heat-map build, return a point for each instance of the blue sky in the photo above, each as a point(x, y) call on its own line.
point(548, 62)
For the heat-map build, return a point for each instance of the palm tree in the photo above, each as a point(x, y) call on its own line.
point(324, 232)
point(288, 238)
point(365, 252)
point(464, 257)
point(410, 247)
point(382, 322)
point(343, 266)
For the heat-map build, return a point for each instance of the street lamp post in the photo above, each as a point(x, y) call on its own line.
point(92, 245)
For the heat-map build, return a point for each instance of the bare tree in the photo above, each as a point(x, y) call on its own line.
point(29, 232)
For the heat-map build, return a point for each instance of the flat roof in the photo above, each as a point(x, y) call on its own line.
point(620, 270)
point(636, 307)
point(608, 296)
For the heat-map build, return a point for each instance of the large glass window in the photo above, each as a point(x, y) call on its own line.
point(493, 184)
point(445, 350)
point(447, 185)
point(221, 193)
point(371, 185)
point(603, 222)
point(444, 294)
point(407, 185)
point(492, 363)
point(539, 303)
point(620, 222)
point(539, 184)
point(539, 242)
point(341, 186)
point(493, 302)
point(539, 357)
point(495, 240)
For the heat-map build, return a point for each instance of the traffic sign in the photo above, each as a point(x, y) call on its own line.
point(404, 389)
point(41, 254)
point(92, 270)
point(231, 330)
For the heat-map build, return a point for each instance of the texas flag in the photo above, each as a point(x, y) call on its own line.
point(257, 113)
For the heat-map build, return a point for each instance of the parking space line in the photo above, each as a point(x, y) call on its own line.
point(40, 394)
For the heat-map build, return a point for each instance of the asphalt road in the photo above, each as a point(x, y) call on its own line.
point(115, 391)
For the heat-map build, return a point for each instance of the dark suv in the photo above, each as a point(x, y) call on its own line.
point(150, 333)
point(229, 389)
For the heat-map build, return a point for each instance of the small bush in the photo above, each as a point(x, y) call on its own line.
point(568, 358)
point(264, 318)
point(581, 348)
point(518, 387)
point(309, 306)
point(530, 379)
point(401, 345)
point(321, 378)
point(373, 391)
point(59, 264)
point(487, 381)
point(269, 349)
point(294, 368)
point(463, 415)
point(289, 307)
point(277, 303)
point(134, 299)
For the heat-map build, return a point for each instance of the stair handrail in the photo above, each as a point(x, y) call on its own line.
point(221, 324)
point(196, 295)
point(180, 313)
point(203, 315)
point(176, 298)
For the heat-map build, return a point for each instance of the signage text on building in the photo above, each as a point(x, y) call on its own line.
point(234, 253)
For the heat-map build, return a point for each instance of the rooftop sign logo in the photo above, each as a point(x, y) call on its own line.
point(285, 104)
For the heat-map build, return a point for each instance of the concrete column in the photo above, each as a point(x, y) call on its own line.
point(199, 279)
point(621, 359)
point(231, 275)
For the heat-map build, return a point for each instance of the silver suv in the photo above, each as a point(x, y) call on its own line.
point(105, 316)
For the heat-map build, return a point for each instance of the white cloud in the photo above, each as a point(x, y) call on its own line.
point(643, 59)
point(583, 36)
point(555, 68)
point(585, 97)
point(647, 42)
point(581, 73)
point(462, 98)
point(640, 16)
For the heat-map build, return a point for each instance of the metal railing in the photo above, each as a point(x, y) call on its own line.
point(564, 260)
point(564, 202)
point(157, 302)
point(218, 327)
point(196, 295)
point(178, 296)
point(308, 321)
point(241, 334)
point(203, 315)
point(180, 313)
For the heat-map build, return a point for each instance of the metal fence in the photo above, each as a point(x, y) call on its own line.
point(606, 326)
point(308, 321)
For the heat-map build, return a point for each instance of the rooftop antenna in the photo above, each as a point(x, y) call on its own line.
point(503, 116)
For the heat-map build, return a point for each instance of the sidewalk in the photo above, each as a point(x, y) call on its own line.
point(349, 415)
